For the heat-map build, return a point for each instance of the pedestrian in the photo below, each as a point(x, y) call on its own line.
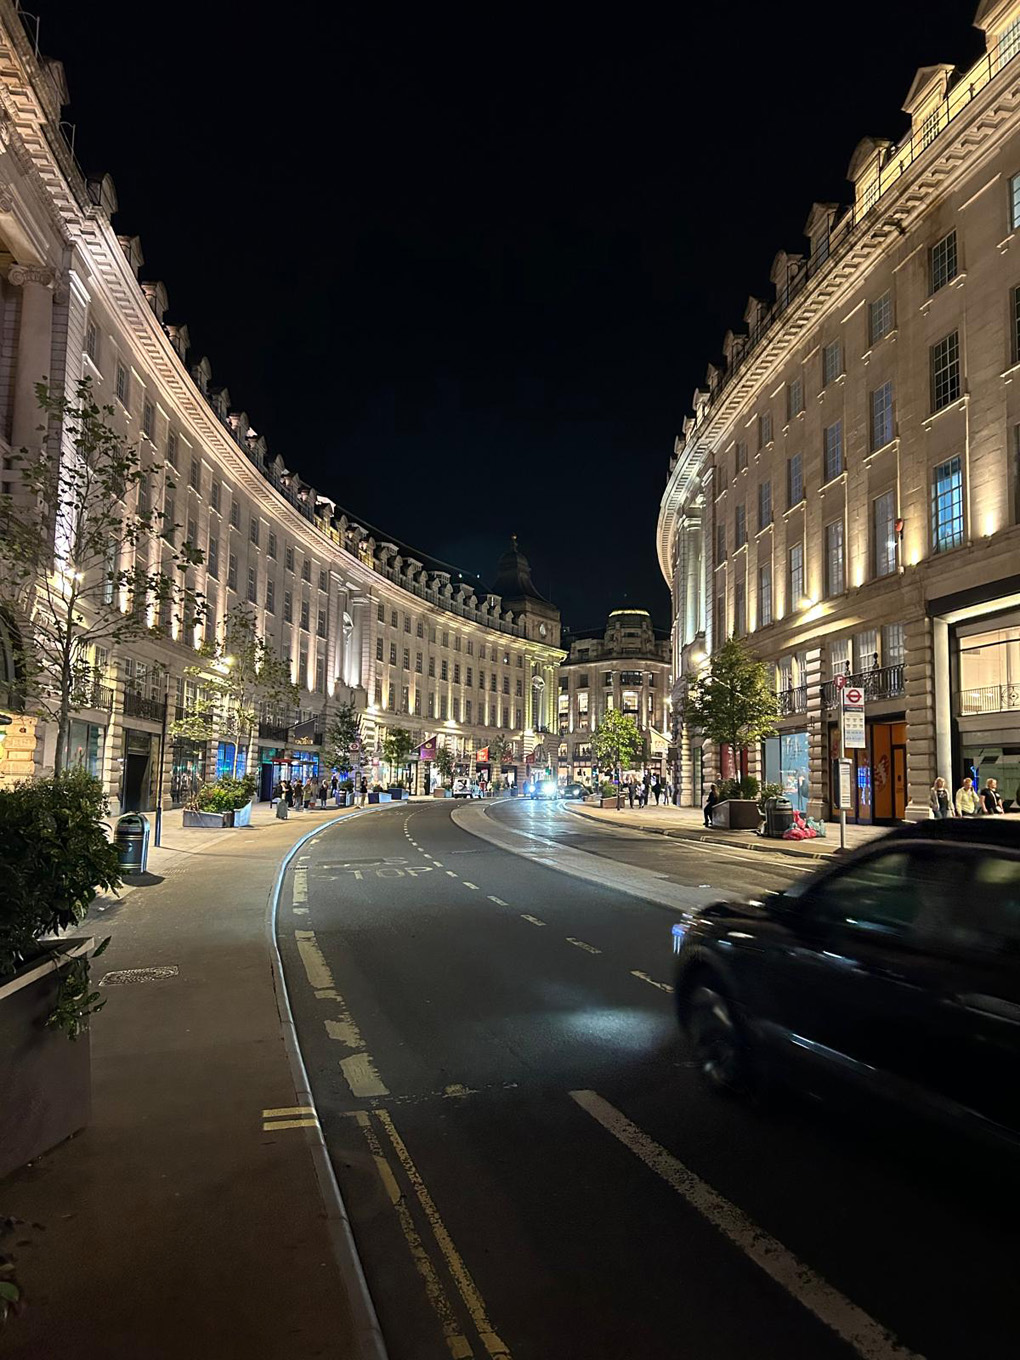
point(282, 809)
point(630, 790)
point(288, 792)
point(277, 793)
point(710, 802)
point(968, 804)
point(334, 784)
point(364, 790)
point(323, 793)
point(656, 789)
point(938, 800)
point(646, 784)
point(991, 800)
point(299, 799)
point(310, 792)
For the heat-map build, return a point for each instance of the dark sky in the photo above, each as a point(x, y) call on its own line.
point(465, 272)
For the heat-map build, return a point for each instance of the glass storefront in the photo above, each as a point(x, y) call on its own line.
point(786, 763)
point(225, 760)
point(85, 747)
point(187, 770)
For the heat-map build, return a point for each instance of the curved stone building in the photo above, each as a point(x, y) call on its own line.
point(411, 641)
point(846, 491)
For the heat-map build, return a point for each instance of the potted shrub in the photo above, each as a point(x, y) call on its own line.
point(225, 803)
point(737, 808)
point(55, 857)
point(396, 792)
point(347, 791)
point(377, 794)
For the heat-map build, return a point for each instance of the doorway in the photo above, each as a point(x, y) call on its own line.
point(135, 787)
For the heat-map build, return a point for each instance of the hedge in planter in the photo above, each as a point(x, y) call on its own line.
point(226, 795)
point(55, 856)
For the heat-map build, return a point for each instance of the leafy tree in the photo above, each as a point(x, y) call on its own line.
point(397, 747)
point(617, 740)
point(343, 731)
point(735, 703)
point(87, 556)
point(240, 674)
point(444, 762)
point(500, 749)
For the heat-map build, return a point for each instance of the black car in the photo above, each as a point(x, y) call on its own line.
point(896, 971)
point(573, 791)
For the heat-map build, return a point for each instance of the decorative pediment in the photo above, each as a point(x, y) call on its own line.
point(753, 311)
point(819, 222)
point(103, 193)
point(929, 87)
point(180, 338)
point(783, 265)
point(132, 248)
point(869, 155)
point(156, 297)
point(202, 374)
point(993, 16)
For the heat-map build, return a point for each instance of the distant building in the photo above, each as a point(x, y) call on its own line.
point(846, 490)
point(625, 666)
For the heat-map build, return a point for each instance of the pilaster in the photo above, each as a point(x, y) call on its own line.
point(819, 781)
point(919, 687)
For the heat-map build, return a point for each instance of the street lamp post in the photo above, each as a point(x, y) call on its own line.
point(161, 761)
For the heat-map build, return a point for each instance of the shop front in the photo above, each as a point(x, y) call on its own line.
point(879, 772)
point(187, 770)
point(279, 764)
point(137, 792)
point(986, 707)
point(786, 764)
point(85, 747)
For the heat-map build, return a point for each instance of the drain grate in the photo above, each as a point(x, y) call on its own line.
point(129, 975)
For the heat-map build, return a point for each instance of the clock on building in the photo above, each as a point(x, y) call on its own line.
point(542, 630)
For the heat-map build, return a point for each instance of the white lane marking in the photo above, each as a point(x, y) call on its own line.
point(581, 945)
point(300, 911)
point(437, 863)
point(361, 1076)
point(450, 874)
point(344, 1030)
point(498, 901)
point(662, 986)
point(300, 885)
point(867, 1337)
point(466, 884)
point(533, 919)
point(316, 967)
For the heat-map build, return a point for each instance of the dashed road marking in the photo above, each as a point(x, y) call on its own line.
point(473, 886)
point(662, 986)
point(862, 1333)
point(361, 1076)
point(300, 885)
point(581, 945)
point(533, 919)
point(498, 901)
point(316, 967)
point(437, 863)
point(450, 874)
point(300, 911)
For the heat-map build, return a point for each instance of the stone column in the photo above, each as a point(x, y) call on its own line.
point(922, 742)
point(817, 730)
point(356, 670)
point(34, 353)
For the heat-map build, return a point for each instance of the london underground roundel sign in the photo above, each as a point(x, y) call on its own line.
point(853, 698)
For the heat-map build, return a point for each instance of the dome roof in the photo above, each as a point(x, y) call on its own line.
point(513, 576)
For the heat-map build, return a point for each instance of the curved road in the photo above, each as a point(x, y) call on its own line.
point(531, 1168)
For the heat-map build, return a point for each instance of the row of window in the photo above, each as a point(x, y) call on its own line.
point(444, 707)
point(468, 643)
point(444, 669)
point(608, 678)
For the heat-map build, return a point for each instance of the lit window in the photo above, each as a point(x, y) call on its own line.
point(270, 597)
point(795, 398)
point(832, 365)
point(764, 429)
point(720, 542)
point(880, 317)
point(92, 342)
point(1009, 42)
point(741, 457)
point(833, 442)
point(834, 579)
point(1014, 314)
point(741, 527)
point(881, 416)
point(252, 586)
point(1014, 204)
point(764, 505)
point(943, 262)
point(122, 384)
point(739, 608)
point(148, 419)
point(947, 505)
point(945, 371)
point(764, 596)
point(232, 572)
point(883, 519)
point(796, 575)
point(794, 481)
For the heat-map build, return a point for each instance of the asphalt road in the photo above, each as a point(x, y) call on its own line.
point(531, 1168)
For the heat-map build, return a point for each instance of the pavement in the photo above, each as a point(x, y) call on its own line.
point(531, 1167)
point(689, 823)
point(194, 1216)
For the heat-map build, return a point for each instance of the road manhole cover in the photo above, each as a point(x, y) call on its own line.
point(129, 975)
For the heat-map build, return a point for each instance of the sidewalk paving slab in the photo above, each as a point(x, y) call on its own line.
point(687, 823)
point(176, 1224)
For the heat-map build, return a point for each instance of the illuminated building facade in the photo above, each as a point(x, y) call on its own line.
point(845, 493)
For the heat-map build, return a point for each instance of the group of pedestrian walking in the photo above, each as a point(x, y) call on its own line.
point(969, 802)
point(639, 791)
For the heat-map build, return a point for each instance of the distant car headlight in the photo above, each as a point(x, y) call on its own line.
point(549, 787)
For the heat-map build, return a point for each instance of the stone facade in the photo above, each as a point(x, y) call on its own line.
point(626, 667)
point(411, 642)
point(845, 492)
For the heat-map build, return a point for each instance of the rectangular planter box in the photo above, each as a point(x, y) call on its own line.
point(440, 793)
point(215, 821)
point(44, 1077)
point(736, 814)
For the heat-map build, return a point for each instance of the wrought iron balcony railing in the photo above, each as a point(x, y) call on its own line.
point(989, 699)
point(792, 700)
point(98, 697)
point(881, 682)
point(141, 706)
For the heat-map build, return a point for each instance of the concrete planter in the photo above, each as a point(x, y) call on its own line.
point(44, 1077)
point(378, 797)
point(397, 794)
point(610, 800)
point(736, 814)
point(216, 821)
point(441, 793)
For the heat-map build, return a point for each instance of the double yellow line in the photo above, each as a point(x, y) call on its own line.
point(456, 1341)
point(289, 1117)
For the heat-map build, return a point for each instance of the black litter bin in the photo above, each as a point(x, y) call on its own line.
point(778, 816)
point(131, 839)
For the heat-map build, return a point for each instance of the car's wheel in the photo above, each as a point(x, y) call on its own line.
point(718, 1045)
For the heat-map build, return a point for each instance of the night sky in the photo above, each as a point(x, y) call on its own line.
point(465, 273)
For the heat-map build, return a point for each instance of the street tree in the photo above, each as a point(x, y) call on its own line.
point(444, 762)
point(343, 737)
point(616, 741)
point(397, 747)
point(734, 704)
point(240, 675)
point(500, 749)
point(90, 556)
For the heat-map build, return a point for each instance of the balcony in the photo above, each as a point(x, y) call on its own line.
point(141, 706)
point(883, 682)
point(989, 699)
point(274, 729)
point(182, 713)
point(98, 697)
point(792, 700)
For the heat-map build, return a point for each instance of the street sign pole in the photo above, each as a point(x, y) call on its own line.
point(842, 756)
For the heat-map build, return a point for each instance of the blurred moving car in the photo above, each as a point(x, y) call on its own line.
point(463, 787)
point(895, 971)
point(575, 791)
point(542, 788)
